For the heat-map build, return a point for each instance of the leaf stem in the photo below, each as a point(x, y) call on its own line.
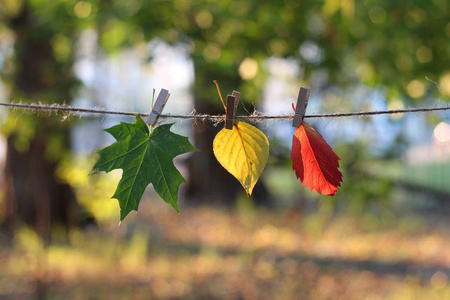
point(220, 95)
point(153, 100)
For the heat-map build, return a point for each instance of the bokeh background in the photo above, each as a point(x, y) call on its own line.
point(384, 235)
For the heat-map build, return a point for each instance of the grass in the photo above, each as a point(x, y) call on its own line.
point(209, 253)
point(432, 176)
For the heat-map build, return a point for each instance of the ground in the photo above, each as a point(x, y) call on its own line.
point(247, 253)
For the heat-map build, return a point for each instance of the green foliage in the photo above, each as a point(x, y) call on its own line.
point(90, 190)
point(389, 44)
point(384, 43)
point(432, 176)
point(144, 159)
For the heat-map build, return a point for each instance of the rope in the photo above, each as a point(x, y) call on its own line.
point(255, 117)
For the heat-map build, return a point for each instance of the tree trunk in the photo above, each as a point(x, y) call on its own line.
point(209, 182)
point(33, 194)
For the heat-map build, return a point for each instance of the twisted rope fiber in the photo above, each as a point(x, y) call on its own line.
point(254, 117)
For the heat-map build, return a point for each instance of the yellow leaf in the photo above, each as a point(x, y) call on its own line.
point(242, 151)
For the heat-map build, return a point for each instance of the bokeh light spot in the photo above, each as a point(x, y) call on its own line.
point(82, 9)
point(248, 68)
point(444, 84)
point(442, 132)
point(364, 71)
point(395, 104)
point(439, 280)
point(416, 89)
point(424, 54)
point(212, 52)
point(204, 19)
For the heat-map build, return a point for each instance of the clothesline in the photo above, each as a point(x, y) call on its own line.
point(256, 117)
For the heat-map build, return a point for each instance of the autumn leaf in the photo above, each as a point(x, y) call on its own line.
point(242, 151)
point(144, 159)
point(314, 162)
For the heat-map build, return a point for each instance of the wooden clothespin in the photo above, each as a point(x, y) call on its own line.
point(158, 107)
point(300, 109)
point(232, 103)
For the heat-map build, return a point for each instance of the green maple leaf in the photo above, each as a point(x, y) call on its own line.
point(144, 158)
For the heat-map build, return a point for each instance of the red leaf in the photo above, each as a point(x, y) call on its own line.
point(314, 162)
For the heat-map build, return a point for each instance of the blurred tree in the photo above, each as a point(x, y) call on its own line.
point(42, 72)
point(389, 45)
point(342, 43)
